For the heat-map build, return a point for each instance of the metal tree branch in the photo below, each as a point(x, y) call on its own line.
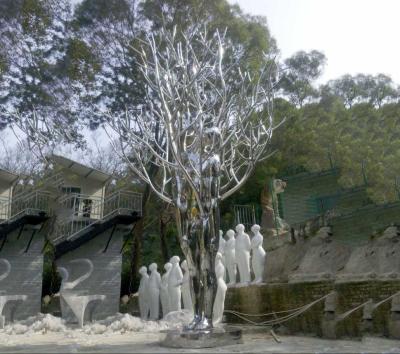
point(205, 124)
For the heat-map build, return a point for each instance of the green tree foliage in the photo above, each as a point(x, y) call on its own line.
point(299, 73)
point(109, 34)
point(89, 12)
point(328, 134)
point(57, 66)
point(79, 62)
point(347, 88)
point(251, 32)
point(34, 93)
point(376, 90)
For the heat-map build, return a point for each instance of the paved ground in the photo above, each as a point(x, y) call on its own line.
point(149, 343)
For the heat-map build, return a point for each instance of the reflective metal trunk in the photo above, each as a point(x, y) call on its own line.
point(199, 243)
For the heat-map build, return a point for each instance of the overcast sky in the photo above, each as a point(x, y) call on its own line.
point(357, 36)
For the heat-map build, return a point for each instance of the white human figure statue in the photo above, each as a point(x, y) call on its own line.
point(230, 256)
point(164, 289)
point(221, 245)
point(258, 254)
point(144, 304)
point(242, 249)
point(186, 287)
point(174, 285)
point(218, 308)
point(154, 291)
point(221, 249)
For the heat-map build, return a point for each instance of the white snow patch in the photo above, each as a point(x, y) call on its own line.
point(119, 323)
point(40, 323)
point(128, 323)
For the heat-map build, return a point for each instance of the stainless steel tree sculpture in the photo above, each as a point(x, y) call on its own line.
point(205, 124)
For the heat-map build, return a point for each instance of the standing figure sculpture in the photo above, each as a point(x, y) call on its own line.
point(242, 249)
point(164, 289)
point(230, 256)
point(221, 249)
point(221, 244)
point(258, 254)
point(144, 305)
point(218, 308)
point(174, 285)
point(154, 292)
point(186, 288)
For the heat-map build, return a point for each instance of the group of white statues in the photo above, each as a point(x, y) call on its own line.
point(175, 287)
point(169, 288)
point(236, 254)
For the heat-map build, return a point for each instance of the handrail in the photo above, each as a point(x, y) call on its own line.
point(95, 210)
point(19, 203)
point(68, 196)
point(36, 200)
point(4, 208)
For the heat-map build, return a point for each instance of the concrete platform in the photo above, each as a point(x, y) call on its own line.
point(142, 342)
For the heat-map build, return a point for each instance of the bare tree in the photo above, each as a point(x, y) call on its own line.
point(16, 157)
point(102, 156)
point(205, 125)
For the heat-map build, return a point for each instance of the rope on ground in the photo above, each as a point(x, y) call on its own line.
point(265, 314)
point(292, 314)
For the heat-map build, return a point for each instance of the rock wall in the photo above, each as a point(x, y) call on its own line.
point(323, 257)
point(318, 258)
point(261, 299)
point(269, 298)
point(303, 270)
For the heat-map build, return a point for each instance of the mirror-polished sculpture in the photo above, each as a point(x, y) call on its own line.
point(205, 148)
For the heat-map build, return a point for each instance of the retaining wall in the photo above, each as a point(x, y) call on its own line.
point(258, 299)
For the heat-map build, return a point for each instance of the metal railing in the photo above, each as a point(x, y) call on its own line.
point(28, 204)
point(82, 205)
point(245, 214)
point(123, 203)
point(82, 211)
point(5, 209)
point(26, 201)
